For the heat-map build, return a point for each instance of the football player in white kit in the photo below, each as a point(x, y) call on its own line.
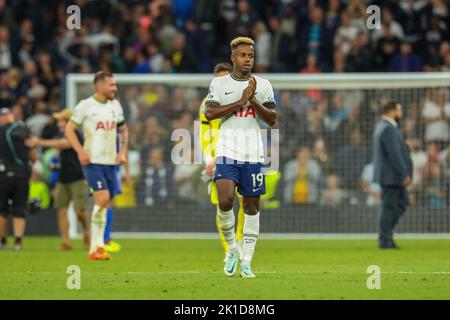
point(100, 116)
point(240, 99)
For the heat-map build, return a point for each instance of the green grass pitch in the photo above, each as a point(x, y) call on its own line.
point(192, 269)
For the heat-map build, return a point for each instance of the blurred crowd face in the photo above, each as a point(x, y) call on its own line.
point(360, 41)
point(243, 6)
point(30, 68)
point(444, 49)
point(345, 20)
point(311, 61)
point(433, 152)
point(107, 88)
point(333, 5)
point(62, 125)
point(303, 156)
point(356, 138)
point(274, 23)
point(387, 16)
point(286, 98)
point(316, 16)
point(243, 58)
point(4, 35)
point(333, 182)
point(40, 108)
point(319, 146)
point(17, 112)
point(155, 158)
point(222, 73)
point(7, 118)
point(447, 60)
point(179, 42)
point(440, 97)
point(406, 48)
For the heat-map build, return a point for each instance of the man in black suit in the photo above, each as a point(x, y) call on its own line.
point(392, 170)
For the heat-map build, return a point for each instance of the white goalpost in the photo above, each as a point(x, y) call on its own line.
point(313, 108)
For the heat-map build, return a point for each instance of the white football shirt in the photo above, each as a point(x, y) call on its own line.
point(99, 121)
point(240, 136)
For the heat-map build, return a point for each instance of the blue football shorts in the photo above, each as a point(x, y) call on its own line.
point(102, 177)
point(247, 175)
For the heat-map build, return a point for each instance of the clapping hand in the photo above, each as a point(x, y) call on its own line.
point(248, 92)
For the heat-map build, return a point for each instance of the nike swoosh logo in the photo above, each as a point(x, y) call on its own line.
point(232, 267)
point(227, 93)
point(254, 190)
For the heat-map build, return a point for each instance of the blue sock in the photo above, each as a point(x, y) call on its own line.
point(109, 216)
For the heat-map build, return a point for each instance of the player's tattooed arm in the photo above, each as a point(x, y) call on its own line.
point(123, 137)
point(123, 141)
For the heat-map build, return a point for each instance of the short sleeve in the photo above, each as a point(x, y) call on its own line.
point(120, 116)
point(214, 92)
point(79, 113)
point(268, 95)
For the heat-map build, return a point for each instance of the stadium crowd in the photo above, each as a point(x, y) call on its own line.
point(325, 161)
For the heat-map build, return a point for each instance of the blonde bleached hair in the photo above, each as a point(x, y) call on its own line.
point(241, 40)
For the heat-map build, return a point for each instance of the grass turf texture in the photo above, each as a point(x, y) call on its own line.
point(193, 269)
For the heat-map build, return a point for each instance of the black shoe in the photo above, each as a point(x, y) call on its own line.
point(18, 244)
point(390, 245)
point(395, 246)
point(4, 244)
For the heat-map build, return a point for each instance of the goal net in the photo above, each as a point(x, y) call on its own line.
point(319, 177)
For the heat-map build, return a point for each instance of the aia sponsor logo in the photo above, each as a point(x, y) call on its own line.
point(248, 112)
point(106, 125)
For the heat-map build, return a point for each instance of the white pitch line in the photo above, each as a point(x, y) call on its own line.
point(275, 236)
point(292, 272)
point(187, 272)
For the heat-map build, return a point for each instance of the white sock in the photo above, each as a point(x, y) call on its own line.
point(98, 224)
point(251, 233)
point(226, 222)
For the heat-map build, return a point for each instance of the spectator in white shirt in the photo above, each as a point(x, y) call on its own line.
point(345, 34)
point(436, 115)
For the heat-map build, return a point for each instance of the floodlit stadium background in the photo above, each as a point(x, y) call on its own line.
point(325, 121)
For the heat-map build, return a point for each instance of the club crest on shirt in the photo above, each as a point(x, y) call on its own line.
point(210, 95)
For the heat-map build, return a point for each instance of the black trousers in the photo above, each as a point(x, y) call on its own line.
point(14, 195)
point(394, 201)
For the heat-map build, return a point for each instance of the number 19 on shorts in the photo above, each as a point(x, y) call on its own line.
point(257, 179)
